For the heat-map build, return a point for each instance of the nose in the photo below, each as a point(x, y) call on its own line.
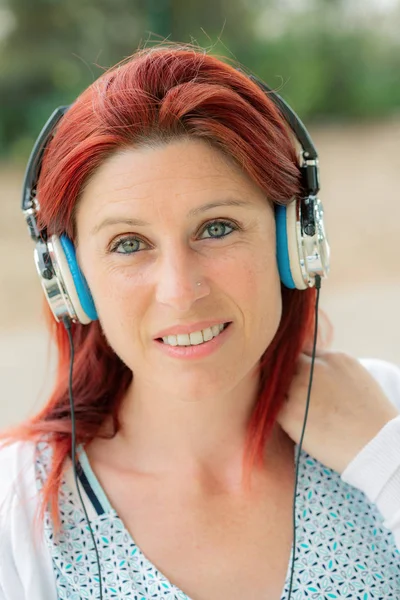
point(178, 278)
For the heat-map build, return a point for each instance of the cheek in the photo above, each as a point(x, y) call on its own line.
point(120, 301)
point(121, 307)
point(252, 283)
point(113, 289)
point(258, 290)
point(257, 282)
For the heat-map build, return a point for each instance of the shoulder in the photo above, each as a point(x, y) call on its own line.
point(387, 374)
point(25, 564)
point(17, 467)
point(24, 467)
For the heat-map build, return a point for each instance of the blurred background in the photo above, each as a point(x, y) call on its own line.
point(337, 62)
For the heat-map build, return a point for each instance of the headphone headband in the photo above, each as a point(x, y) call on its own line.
point(30, 205)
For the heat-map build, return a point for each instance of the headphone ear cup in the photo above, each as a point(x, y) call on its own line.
point(287, 246)
point(74, 282)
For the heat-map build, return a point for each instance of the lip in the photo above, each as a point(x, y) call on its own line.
point(180, 329)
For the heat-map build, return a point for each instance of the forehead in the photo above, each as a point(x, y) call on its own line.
point(180, 173)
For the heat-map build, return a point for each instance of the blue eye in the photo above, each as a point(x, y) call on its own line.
point(220, 225)
point(129, 245)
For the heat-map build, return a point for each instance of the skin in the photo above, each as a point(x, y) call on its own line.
point(189, 417)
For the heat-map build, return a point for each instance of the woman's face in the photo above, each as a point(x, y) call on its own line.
point(151, 223)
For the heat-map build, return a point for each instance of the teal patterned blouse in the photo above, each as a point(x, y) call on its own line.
point(342, 548)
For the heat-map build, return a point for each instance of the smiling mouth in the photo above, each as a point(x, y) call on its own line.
point(196, 339)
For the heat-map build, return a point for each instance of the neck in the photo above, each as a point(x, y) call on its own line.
point(163, 431)
point(198, 439)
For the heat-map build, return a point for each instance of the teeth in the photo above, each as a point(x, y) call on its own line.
point(195, 338)
point(207, 334)
point(215, 329)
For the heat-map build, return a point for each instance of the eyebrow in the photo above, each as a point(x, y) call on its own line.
point(192, 213)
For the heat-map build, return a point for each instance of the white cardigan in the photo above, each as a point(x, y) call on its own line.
point(26, 571)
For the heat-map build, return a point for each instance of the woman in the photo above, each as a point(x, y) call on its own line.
point(189, 378)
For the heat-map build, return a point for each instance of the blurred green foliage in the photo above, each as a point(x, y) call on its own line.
point(325, 64)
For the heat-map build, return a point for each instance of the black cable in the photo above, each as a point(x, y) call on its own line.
point(317, 287)
point(67, 326)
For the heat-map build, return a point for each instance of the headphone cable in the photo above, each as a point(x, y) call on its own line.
point(318, 287)
point(67, 326)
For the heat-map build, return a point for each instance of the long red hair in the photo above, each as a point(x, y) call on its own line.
point(155, 95)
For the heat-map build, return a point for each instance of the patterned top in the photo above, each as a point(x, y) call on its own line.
point(342, 548)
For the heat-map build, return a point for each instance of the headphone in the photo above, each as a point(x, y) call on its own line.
point(302, 251)
point(302, 247)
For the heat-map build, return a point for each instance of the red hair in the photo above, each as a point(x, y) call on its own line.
point(156, 95)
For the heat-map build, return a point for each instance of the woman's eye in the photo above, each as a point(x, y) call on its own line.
point(128, 245)
point(218, 228)
point(131, 245)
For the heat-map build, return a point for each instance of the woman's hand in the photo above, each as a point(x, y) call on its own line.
point(347, 408)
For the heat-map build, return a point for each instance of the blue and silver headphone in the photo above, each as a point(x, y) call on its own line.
point(302, 246)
